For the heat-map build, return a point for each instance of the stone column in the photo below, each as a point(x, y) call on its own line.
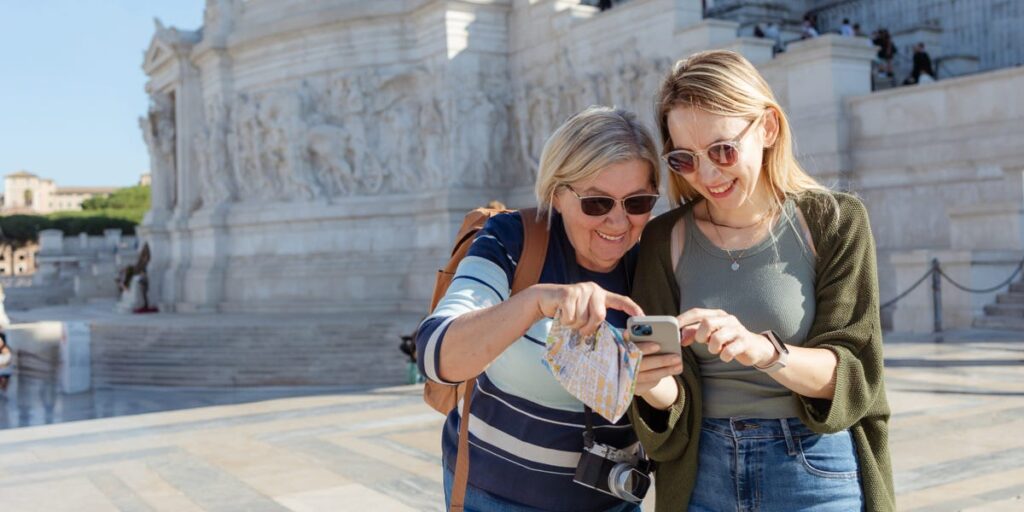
point(205, 277)
point(812, 79)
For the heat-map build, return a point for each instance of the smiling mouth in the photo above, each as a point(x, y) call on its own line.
point(722, 188)
point(611, 238)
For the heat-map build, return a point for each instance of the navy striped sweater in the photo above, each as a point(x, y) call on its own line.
point(526, 432)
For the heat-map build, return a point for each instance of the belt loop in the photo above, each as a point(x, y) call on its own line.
point(790, 442)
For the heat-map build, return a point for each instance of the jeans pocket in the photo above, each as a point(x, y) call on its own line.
point(829, 455)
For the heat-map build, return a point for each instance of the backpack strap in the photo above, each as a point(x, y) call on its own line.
point(527, 273)
point(461, 479)
point(535, 251)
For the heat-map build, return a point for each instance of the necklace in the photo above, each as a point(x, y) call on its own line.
point(735, 260)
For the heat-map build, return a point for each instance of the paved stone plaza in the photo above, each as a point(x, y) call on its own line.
point(957, 406)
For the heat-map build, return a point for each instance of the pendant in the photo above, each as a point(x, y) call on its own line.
point(735, 266)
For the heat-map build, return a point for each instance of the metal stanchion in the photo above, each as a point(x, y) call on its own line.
point(936, 297)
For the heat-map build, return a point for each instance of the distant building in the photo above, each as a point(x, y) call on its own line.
point(25, 192)
point(18, 261)
point(145, 180)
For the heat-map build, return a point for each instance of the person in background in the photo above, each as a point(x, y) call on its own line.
point(922, 70)
point(886, 51)
point(808, 31)
point(846, 30)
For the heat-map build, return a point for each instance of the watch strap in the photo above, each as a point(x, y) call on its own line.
point(780, 348)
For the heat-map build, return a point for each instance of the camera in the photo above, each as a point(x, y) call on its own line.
point(616, 472)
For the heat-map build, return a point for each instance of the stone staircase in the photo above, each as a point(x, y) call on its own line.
point(228, 350)
point(882, 82)
point(1007, 312)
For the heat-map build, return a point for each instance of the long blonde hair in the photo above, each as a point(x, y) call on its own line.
point(586, 144)
point(722, 82)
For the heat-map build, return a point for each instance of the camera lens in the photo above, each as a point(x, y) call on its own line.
point(642, 330)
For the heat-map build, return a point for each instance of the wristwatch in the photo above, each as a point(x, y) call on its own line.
point(780, 347)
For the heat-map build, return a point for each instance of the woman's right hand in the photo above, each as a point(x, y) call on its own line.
point(581, 306)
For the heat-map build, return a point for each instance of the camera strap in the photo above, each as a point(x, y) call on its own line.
point(644, 463)
point(588, 432)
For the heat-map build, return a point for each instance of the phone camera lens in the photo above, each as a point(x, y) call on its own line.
point(642, 330)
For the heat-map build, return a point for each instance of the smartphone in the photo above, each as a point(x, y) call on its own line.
point(663, 330)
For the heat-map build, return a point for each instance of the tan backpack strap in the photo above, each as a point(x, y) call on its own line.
point(535, 250)
point(461, 478)
point(531, 262)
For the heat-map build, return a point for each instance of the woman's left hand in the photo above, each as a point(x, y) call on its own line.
point(655, 368)
point(726, 337)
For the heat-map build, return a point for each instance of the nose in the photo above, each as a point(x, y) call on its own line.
point(618, 216)
point(706, 171)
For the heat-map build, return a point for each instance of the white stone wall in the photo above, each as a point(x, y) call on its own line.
point(318, 156)
point(939, 167)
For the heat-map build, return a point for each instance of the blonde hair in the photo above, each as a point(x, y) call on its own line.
point(586, 144)
point(722, 82)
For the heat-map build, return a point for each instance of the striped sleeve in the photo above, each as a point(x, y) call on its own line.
point(482, 279)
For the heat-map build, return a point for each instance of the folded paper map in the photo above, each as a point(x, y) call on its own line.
point(600, 369)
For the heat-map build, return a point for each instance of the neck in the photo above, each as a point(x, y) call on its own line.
point(752, 212)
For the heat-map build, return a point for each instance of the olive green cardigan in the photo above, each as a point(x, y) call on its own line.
point(846, 322)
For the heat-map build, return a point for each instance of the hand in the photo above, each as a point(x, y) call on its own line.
point(725, 336)
point(581, 306)
point(655, 368)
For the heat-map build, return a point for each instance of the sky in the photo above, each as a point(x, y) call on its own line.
point(72, 86)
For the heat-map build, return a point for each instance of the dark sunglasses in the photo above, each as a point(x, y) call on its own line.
point(722, 154)
point(596, 206)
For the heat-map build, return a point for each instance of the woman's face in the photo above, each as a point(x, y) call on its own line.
point(600, 242)
point(731, 187)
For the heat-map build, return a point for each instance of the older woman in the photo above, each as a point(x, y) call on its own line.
point(782, 403)
point(598, 181)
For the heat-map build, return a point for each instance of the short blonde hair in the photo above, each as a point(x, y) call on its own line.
point(722, 82)
point(586, 144)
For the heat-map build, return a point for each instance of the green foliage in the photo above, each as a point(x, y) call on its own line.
point(21, 229)
point(129, 198)
point(122, 209)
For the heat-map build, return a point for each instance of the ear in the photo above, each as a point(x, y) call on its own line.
point(770, 127)
point(556, 199)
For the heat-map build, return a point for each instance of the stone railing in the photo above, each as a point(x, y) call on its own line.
point(72, 268)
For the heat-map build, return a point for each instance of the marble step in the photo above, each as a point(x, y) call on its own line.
point(1010, 298)
point(1017, 287)
point(1013, 323)
point(229, 351)
point(1013, 310)
point(379, 373)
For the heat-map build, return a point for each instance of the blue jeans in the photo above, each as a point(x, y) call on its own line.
point(479, 500)
point(759, 464)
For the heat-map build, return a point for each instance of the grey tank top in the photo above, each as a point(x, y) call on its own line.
point(773, 288)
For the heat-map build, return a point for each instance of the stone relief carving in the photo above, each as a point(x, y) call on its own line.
point(213, 156)
point(558, 89)
point(158, 130)
point(355, 134)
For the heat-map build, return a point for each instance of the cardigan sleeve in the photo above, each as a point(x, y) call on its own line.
point(847, 321)
point(662, 433)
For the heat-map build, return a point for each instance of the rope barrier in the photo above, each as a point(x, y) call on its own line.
point(938, 268)
point(908, 290)
point(983, 290)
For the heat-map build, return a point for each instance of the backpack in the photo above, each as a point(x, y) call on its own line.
point(443, 397)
